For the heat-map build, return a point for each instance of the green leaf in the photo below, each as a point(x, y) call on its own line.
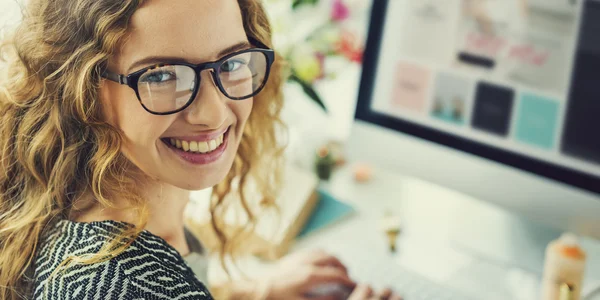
point(297, 3)
point(309, 91)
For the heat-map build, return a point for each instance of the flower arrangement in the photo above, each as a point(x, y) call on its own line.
point(312, 35)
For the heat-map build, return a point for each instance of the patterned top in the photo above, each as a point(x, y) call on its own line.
point(148, 269)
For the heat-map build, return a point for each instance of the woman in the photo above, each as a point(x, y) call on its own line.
point(112, 111)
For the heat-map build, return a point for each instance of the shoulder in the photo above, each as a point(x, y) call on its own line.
point(116, 280)
point(147, 269)
point(152, 270)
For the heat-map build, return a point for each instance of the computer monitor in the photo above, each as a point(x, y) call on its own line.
point(497, 99)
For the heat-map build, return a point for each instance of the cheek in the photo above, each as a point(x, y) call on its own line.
point(124, 112)
point(241, 110)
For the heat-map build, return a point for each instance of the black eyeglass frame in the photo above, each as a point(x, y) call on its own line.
point(132, 79)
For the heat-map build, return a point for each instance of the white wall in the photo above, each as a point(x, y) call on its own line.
point(10, 12)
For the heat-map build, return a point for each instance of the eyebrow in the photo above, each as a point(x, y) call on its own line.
point(171, 59)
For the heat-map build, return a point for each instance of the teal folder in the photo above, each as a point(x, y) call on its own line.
point(327, 211)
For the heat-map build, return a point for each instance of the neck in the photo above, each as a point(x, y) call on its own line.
point(166, 215)
point(166, 206)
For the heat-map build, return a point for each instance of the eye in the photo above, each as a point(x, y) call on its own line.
point(159, 77)
point(233, 65)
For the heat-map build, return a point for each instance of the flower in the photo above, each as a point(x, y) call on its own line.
point(309, 33)
point(339, 11)
point(307, 64)
point(350, 47)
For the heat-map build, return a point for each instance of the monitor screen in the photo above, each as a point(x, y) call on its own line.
point(514, 81)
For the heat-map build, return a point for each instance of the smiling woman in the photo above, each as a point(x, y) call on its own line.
point(112, 111)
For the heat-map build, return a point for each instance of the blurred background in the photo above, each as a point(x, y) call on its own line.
point(323, 42)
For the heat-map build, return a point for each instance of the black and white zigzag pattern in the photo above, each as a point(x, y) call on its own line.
point(149, 269)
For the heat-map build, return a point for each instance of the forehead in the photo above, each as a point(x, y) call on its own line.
point(194, 30)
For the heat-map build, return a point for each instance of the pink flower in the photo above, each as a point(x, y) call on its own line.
point(339, 11)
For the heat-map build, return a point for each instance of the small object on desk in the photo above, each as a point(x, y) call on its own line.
point(390, 224)
point(392, 235)
point(566, 291)
point(337, 153)
point(324, 163)
point(363, 172)
point(563, 269)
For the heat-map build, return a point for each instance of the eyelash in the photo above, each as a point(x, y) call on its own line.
point(240, 63)
point(159, 73)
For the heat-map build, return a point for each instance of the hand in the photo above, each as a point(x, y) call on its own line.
point(296, 275)
point(364, 292)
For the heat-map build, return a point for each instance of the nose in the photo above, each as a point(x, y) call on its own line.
point(209, 108)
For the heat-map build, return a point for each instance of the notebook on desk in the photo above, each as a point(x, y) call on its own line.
point(328, 211)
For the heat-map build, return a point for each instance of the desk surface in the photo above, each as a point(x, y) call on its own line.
point(448, 237)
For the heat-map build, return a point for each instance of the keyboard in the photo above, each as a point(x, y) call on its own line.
point(367, 263)
point(383, 272)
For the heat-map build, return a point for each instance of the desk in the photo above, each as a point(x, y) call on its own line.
point(450, 238)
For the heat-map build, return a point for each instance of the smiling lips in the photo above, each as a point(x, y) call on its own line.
point(199, 149)
point(198, 146)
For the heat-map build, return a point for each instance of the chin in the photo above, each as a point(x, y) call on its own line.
point(201, 184)
point(201, 180)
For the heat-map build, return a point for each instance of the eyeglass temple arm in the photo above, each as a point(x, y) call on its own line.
point(257, 43)
point(114, 77)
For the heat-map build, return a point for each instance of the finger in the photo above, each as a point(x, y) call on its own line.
point(324, 298)
point(321, 275)
point(324, 259)
point(316, 255)
point(308, 256)
point(361, 292)
point(396, 297)
point(385, 294)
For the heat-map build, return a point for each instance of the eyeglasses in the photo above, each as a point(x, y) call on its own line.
point(170, 88)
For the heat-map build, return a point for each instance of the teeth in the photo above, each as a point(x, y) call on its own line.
point(198, 147)
point(203, 147)
point(194, 146)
